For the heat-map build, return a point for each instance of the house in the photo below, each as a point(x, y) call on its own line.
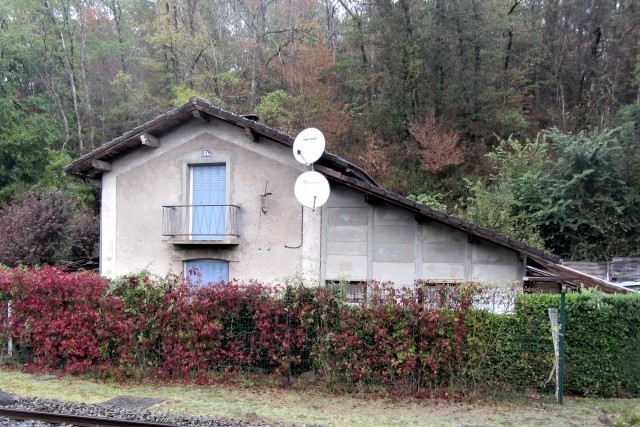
point(200, 188)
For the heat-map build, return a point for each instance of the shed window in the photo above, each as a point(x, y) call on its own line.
point(203, 271)
point(353, 291)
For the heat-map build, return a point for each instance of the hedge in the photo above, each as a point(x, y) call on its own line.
point(602, 340)
point(406, 339)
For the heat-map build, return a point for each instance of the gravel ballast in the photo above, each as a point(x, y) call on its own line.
point(70, 408)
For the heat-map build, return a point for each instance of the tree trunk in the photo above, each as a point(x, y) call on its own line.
point(56, 97)
point(70, 74)
point(87, 93)
point(409, 77)
point(116, 11)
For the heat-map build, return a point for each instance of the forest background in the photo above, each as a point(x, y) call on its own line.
point(519, 115)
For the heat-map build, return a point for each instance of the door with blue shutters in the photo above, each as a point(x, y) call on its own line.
point(203, 271)
point(208, 200)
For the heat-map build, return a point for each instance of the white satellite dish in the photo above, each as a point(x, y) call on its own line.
point(308, 146)
point(312, 189)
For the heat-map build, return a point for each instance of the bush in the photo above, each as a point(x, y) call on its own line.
point(67, 321)
point(394, 339)
point(506, 351)
point(602, 333)
point(46, 227)
point(423, 338)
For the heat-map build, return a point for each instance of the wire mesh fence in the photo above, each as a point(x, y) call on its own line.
point(454, 338)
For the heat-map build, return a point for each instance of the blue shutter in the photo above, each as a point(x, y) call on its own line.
point(203, 271)
point(208, 215)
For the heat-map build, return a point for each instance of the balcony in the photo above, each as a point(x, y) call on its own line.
point(201, 224)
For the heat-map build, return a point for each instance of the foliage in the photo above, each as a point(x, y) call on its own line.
point(226, 327)
point(142, 297)
point(64, 319)
point(579, 206)
point(427, 337)
point(434, 201)
point(495, 205)
point(273, 108)
point(582, 205)
point(182, 94)
point(46, 226)
point(515, 160)
point(601, 332)
point(438, 145)
point(628, 122)
point(312, 87)
point(375, 159)
point(26, 133)
point(436, 83)
point(493, 208)
point(506, 352)
point(54, 178)
point(392, 339)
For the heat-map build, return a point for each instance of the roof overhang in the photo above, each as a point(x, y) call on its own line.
point(94, 163)
point(573, 278)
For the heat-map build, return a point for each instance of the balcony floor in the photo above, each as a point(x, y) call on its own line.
point(186, 241)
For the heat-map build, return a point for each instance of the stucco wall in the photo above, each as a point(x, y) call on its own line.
point(360, 241)
point(141, 182)
point(386, 243)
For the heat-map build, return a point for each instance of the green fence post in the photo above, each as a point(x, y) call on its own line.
point(563, 330)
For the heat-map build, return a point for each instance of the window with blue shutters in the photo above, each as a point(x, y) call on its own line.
point(203, 271)
point(208, 200)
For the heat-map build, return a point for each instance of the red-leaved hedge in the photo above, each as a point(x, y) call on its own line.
point(138, 326)
point(166, 328)
point(67, 320)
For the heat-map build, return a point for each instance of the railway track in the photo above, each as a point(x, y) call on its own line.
point(75, 420)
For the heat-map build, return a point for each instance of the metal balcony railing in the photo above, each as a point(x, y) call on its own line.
point(200, 222)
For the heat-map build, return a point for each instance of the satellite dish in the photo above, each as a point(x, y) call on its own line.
point(308, 146)
point(312, 189)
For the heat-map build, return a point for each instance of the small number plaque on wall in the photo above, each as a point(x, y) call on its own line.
point(206, 153)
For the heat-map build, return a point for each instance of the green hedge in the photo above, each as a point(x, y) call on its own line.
point(602, 340)
point(602, 345)
point(507, 351)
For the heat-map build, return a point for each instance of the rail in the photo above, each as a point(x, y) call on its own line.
point(75, 420)
point(200, 222)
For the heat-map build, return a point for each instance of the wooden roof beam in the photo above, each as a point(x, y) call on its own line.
point(422, 219)
point(201, 116)
point(373, 200)
point(101, 165)
point(149, 140)
point(251, 134)
point(548, 278)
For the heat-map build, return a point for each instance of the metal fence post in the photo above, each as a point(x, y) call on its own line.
point(9, 340)
point(563, 330)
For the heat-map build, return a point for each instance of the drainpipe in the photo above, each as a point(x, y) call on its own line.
point(301, 230)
